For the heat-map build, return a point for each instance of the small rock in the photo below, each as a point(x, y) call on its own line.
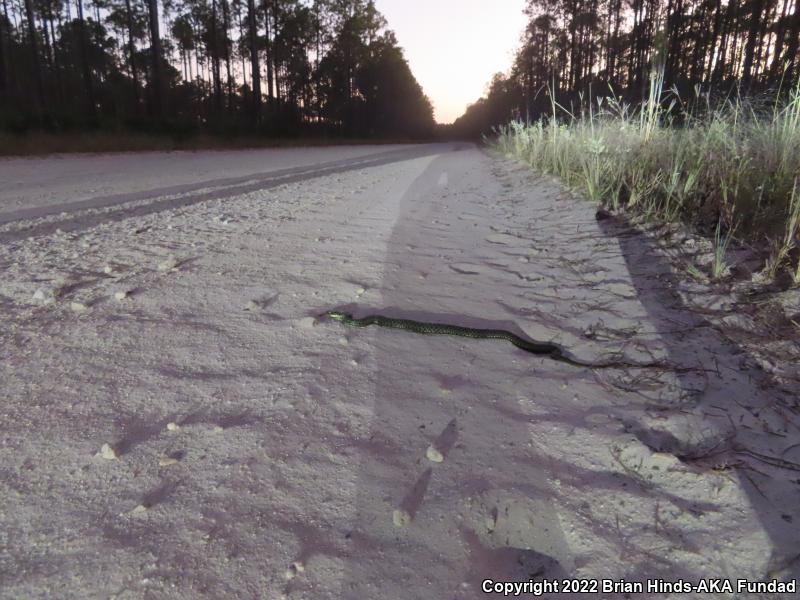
point(78, 307)
point(166, 461)
point(251, 305)
point(108, 269)
point(401, 517)
point(139, 510)
point(120, 295)
point(107, 452)
point(343, 341)
point(44, 296)
point(293, 570)
point(433, 455)
point(172, 427)
point(169, 264)
point(491, 523)
point(360, 291)
point(217, 429)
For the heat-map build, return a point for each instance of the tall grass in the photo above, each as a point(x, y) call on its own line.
point(733, 167)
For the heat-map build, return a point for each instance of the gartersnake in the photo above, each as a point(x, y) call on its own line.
point(547, 349)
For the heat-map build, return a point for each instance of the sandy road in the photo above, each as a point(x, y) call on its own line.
point(40, 182)
point(257, 451)
point(45, 195)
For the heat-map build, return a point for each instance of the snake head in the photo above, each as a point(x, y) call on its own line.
point(339, 316)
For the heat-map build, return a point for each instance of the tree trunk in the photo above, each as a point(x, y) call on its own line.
point(86, 71)
point(240, 24)
point(37, 70)
point(762, 46)
point(226, 24)
point(215, 60)
point(700, 49)
point(794, 40)
point(674, 26)
point(275, 61)
point(722, 55)
point(614, 77)
point(155, 51)
point(56, 63)
point(634, 70)
point(256, 68)
point(3, 52)
point(780, 35)
point(270, 53)
point(750, 47)
point(48, 49)
point(132, 53)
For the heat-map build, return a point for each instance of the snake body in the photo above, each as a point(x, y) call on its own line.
point(548, 349)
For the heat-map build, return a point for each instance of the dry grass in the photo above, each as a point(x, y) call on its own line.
point(733, 168)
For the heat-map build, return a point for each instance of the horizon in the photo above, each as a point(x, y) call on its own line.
point(452, 70)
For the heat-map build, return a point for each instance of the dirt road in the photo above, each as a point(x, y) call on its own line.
point(178, 421)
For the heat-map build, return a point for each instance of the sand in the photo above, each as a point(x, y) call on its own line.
point(178, 421)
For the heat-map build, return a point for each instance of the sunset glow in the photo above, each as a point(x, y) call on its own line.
point(455, 46)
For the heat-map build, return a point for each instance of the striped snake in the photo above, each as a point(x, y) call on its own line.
point(547, 349)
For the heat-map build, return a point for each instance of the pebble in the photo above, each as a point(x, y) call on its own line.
point(166, 461)
point(168, 264)
point(434, 455)
point(107, 452)
point(108, 269)
point(139, 510)
point(360, 291)
point(293, 570)
point(401, 517)
point(172, 427)
point(251, 305)
point(120, 295)
point(78, 307)
point(44, 296)
point(491, 523)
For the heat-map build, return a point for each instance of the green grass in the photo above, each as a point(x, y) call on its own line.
point(725, 169)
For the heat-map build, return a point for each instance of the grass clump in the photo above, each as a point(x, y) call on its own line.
point(728, 168)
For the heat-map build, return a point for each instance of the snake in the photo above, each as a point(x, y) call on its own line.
point(546, 349)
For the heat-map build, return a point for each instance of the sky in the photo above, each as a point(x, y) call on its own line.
point(455, 46)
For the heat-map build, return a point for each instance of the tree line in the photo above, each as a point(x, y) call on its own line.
point(282, 67)
point(579, 49)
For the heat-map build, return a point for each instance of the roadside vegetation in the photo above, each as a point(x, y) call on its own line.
point(681, 110)
point(731, 171)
